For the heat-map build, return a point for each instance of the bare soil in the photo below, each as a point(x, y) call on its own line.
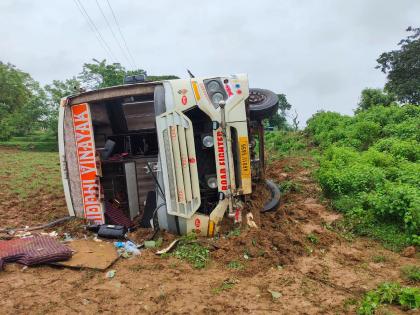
point(294, 252)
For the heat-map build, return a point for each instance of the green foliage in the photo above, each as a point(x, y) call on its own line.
point(312, 238)
point(235, 232)
point(224, 286)
point(374, 97)
point(99, 74)
point(402, 68)
point(288, 186)
point(21, 102)
point(411, 273)
point(370, 166)
point(389, 293)
point(235, 265)
point(55, 92)
point(279, 120)
point(283, 143)
point(190, 250)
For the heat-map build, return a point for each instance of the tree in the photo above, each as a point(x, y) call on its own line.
point(22, 102)
point(279, 119)
point(402, 67)
point(374, 97)
point(55, 92)
point(100, 74)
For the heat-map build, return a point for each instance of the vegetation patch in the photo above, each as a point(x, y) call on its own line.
point(368, 167)
point(236, 265)
point(390, 293)
point(226, 285)
point(190, 250)
point(411, 273)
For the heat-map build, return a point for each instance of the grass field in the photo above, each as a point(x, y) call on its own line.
point(29, 182)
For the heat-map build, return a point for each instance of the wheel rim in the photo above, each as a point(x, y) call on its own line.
point(256, 97)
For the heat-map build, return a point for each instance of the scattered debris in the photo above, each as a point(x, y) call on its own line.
point(126, 249)
point(168, 248)
point(22, 234)
point(51, 234)
point(250, 220)
point(91, 254)
point(111, 274)
point(275, 294)
point(67, 238)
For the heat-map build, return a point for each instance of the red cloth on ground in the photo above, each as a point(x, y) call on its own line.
point(33, 251)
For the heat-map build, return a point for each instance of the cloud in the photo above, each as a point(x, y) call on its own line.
point(321, 54)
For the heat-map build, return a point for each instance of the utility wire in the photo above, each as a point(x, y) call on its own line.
point(126, 56)
point(92, 29)
point(95, 30)
point(121, 34)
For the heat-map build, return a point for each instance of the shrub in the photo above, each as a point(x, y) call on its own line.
point(407, 149)
point(369, 167)
point(284, 143)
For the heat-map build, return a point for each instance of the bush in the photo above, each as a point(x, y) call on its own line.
point(407, 149)
point(284, 143)
point(369, 167)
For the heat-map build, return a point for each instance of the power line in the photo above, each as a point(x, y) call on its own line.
point(92, 29)
point(95, 30)
point(121, 34)
point(113, 34)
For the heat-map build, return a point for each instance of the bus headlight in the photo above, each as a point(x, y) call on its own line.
point(208, 141)
point(212, 182)
point(217, 97)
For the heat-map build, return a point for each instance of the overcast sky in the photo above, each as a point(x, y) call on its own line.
point(321, 54)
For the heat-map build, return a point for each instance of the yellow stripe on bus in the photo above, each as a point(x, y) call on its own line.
point(195, 89)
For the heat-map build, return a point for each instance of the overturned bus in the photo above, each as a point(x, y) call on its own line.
point(179, 154)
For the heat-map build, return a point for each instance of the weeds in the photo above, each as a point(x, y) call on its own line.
point(190, 250)
point(389, 293)
point(379, 259)
point(411, 273)
point(235, 232)
point(312, 238)
point(289, 186)
point(226, 285)
point(235, 265)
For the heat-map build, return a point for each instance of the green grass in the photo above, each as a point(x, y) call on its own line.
point(190, 250)
point(24, 173)
point(389, 293)
point(40, 142)
point(288, 186)
point(46, 146)
point(379, 259)
point(411, 273)
point(284, 143)
point(224, 286)
point(312, 238)
point(236, 265)
point(235, 232)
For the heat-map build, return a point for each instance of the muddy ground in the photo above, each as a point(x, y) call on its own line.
point(295, 252)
